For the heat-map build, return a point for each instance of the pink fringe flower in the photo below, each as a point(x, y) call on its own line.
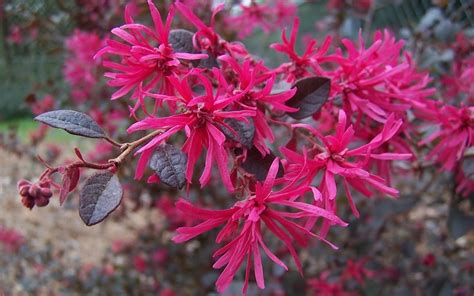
point(244, 228)
point(201, 119)
point(334, 158)
point(373, 81)
point(454, 134)
point(301, 66)
point(147, 57)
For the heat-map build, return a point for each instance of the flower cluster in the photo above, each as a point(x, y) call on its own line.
point(451, 122)
point(249, 216)
point(349, 119)
point(80, 70)
point(267, 16)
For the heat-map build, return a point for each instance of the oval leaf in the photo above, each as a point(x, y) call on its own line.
point(459, 223)
point(169, 163)
point(259, 165)
point(181, 41)
point(100, 196)
point(241, 132)
point(311, 94)
point(73, 122)
point(209, 63)
point(468, 167)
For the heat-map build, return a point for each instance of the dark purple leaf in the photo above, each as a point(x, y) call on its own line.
point(73, 122)
point(100, 196)
point(169, 163)
point(241, 132)
point(459, 223)
point(311, 94)
point(209, 63)
point(258, 165)
point(182, 41)
point(468, 167)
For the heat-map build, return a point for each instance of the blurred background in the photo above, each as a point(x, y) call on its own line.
point(419, 245)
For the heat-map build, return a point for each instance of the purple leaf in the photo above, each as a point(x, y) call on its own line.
point(209, 63)
point(241, 132)
point(182, 41)
point(73, 122)
point(459, 223)
point(169, 163)
point(258, 165)
point(311, 94)
point(100, 196)
point(468, 167)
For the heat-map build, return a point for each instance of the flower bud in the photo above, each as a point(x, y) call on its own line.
point(22, 183)
point(41, 201)
point(46, 192)
point(34, 191)
point(24, 190)
point(27, 201)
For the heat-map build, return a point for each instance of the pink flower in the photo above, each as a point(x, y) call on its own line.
point(322, 286)
point(267, 16)
point(80, 69)
point(355, 270)
point(334, 158)
point(44, 105)
point(201, 119)
point(464, 184)
point(252, 16)
point(247, 78)
point(174, 217)
point(206, 39)
point(374, 82)
point(429, 260)
point(454, 134)
point(284, 12)
point(15, 35)
point(243, 228)
point(11, 239)
point(300, 65)
point(139, 263)
point(147, 57)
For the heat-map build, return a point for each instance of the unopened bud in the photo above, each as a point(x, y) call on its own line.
point(34, 191)
point(41, 201)
point(46, 192)
point(27, 201)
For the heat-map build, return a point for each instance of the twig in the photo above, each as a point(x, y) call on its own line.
point(126, 148)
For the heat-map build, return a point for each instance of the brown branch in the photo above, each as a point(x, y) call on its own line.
point(126, 148)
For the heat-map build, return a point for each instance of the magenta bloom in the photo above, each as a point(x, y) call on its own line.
point(81, 71)
point(267, 16)
point(284, 11)
point(322, 286)
point(301, 65)
point(334, 158)
point(201, 118)
point(465, 184)
point(147, 58)
point(243, 228)
point(374, 82)
point(206, 39)
point(455, 133)
point(255, 15)
point(250, 77)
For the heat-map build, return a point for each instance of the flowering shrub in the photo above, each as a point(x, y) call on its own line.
point(286, 142)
